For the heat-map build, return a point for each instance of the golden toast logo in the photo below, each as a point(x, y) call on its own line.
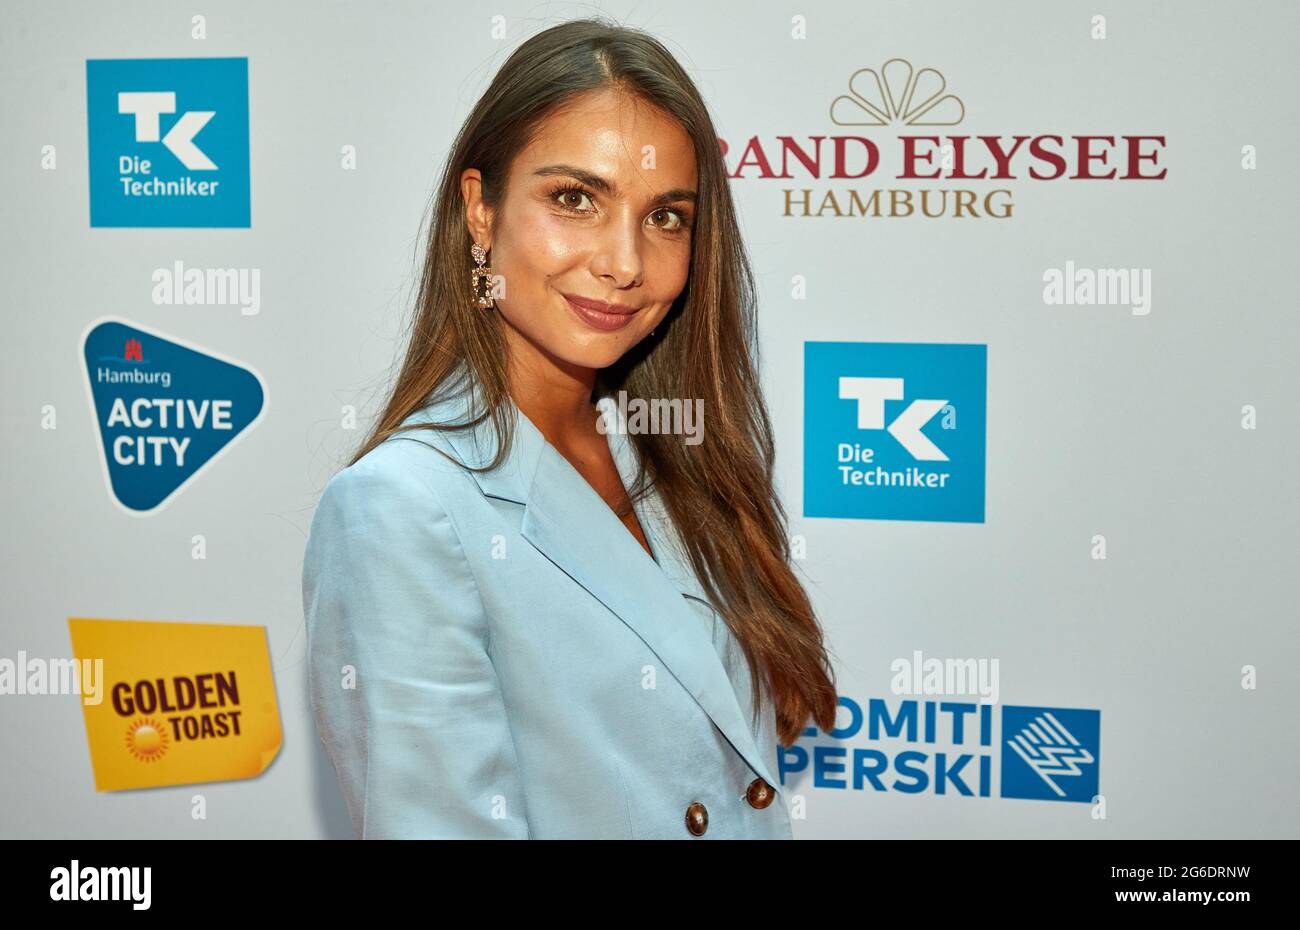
point(187, 702)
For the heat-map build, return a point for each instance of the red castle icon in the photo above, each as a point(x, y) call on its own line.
point(133, 352)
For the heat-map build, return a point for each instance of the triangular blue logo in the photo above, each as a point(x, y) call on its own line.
point(165, 410)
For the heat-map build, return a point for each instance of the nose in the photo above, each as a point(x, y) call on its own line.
point(618, 252)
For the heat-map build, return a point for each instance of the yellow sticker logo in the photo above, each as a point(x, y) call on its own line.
point(183, 702)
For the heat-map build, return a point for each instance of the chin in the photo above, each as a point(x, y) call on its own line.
point(600, 352)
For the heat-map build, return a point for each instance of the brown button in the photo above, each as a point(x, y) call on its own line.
point(760, 794)
point(697, 818)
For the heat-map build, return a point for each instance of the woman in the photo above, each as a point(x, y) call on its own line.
point(524, 623)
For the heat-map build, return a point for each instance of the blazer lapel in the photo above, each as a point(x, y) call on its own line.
point(568, 522)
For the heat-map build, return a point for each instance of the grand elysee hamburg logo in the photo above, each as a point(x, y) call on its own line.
point(164, 410)
point(168, 142)
point(897, 122)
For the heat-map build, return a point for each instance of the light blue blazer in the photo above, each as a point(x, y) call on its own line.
point(494, 654)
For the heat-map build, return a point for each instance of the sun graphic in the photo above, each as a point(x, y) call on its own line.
point(146, 740)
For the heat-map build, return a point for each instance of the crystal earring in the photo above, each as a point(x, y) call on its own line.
point(481, 278)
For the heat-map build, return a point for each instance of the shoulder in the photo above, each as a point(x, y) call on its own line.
point(416, 465)
point(406, 489)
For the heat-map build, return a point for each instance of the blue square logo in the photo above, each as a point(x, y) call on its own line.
point(1051, 753)
point(168, 142)
point(894, 431)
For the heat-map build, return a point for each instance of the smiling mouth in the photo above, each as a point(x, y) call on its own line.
point(600, 306)
point(600, 314)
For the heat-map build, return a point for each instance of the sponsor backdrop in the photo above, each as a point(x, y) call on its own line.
point(1028, 325)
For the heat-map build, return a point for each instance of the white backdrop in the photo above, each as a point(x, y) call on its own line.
point(1100, 422)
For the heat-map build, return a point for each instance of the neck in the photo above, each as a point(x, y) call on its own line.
point(554, 394)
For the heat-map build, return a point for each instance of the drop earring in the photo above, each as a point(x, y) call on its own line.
point(481, 278)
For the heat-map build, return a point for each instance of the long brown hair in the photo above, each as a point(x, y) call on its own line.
point(718, 493)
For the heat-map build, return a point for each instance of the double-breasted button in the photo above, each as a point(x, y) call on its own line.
point(697, 818)
point(759, 794)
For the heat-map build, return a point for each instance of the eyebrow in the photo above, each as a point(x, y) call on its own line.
point(608, 187)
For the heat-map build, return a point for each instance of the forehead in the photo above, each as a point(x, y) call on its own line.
point(607, 132)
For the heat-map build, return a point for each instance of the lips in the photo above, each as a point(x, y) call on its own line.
point(599, 314)
point(599, 306)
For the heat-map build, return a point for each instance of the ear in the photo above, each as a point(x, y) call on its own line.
point(478, 215)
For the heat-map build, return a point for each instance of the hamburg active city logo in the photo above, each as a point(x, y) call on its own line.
point(895, 431)
point(168, 142)
point(164, 410)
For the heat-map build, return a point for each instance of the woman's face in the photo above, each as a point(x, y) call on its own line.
point(598, 207)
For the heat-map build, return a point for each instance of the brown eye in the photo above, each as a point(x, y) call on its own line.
point(578, 194)
point(678, 226)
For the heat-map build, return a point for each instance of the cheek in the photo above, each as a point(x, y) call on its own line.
point(671, 267)
point(541, 243)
